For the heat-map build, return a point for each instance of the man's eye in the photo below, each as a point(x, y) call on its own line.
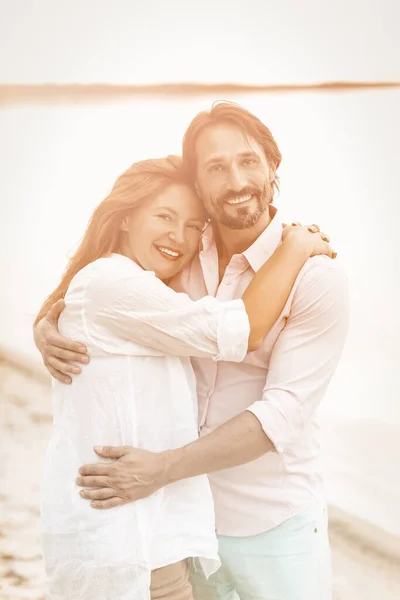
point(249, 161)
point(215, 168)
point(165, 217)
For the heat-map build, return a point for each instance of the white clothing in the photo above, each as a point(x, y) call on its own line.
point(139, 389)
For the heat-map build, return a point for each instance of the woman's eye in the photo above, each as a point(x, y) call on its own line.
point(197, 227)
point(165, 217)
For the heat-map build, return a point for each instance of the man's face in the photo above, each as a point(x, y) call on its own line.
point(232, 176)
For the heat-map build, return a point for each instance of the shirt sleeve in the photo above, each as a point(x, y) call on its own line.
point(305, 355)
point(138, 314)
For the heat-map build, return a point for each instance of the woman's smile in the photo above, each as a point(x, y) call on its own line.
point(168, 253)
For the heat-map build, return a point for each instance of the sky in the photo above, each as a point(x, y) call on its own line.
point(252, 41)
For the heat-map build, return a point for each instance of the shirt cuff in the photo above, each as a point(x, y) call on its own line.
point(233, 332)
point(282, 427)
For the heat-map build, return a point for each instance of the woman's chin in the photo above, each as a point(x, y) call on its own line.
point(165, 272)
point(165, 268)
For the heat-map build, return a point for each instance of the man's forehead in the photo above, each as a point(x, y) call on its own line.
point(225, 139)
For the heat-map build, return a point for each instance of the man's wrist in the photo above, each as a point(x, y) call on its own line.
point(174, 465)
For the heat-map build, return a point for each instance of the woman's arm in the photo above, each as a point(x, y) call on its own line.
point(267, 294)
point(263, 300)
point(132, 305)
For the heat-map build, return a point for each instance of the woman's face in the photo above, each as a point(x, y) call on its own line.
point(163, 234)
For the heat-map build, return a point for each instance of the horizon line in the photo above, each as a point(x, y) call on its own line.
point(12, 93)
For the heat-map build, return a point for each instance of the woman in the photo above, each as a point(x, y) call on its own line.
point(139, 388)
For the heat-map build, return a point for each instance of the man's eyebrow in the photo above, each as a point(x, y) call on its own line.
point(248, 154)
point(218, 159)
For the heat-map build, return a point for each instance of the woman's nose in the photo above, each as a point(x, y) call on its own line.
point(177, 235)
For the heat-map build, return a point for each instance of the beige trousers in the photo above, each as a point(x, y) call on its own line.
point(171, 582)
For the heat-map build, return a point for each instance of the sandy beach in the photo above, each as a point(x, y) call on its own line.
point(360, 570)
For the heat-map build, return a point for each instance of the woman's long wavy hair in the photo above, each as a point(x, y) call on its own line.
point(140, 183)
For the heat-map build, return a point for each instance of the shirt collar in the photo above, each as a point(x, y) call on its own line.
point(264, 246)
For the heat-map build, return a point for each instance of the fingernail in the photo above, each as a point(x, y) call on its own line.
point(85, 359)
point(98, 448)
point(67, 380)
point(82, 493)
point(76, 370)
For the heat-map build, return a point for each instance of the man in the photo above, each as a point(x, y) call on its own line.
point(258, 431)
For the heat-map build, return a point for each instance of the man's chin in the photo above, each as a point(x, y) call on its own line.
point(240, 222)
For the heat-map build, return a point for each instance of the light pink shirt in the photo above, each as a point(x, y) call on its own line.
point(282, 384)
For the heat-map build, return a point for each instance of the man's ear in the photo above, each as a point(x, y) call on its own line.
point(272, 175)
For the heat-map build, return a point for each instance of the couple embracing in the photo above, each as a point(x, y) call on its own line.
point(184, 461)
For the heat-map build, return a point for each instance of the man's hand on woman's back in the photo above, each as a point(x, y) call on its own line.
point(60, 354)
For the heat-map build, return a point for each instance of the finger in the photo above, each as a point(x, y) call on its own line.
point(96, 469)
point(111, 503)
point(66, 354)
point(329, 251)
point(313, 228)
point(55, 311)
point(57, 374)
point(112, 451)
point(93, 481)
point(55, 339)
point(325, 237)
point(284, 225)
point(63, 367)
point(98, 494)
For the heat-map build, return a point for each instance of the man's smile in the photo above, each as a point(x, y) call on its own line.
point(239, 199)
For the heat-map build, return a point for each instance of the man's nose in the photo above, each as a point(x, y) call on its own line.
point(237, 180)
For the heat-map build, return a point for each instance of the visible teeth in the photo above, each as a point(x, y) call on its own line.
point(239, 200)
point(168, 251)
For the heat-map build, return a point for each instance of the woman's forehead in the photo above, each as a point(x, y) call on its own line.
point(181, 199)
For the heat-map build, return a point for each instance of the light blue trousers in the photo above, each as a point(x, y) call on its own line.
point(290, 562)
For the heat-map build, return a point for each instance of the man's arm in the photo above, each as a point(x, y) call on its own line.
point(302, 363)
point(60, 354)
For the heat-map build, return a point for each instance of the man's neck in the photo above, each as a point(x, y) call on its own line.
point(236, 241)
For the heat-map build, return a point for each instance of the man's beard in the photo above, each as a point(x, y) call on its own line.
point(246, 217)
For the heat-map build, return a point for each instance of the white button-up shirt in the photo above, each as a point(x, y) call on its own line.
point(282, 384)
point(139, 389)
